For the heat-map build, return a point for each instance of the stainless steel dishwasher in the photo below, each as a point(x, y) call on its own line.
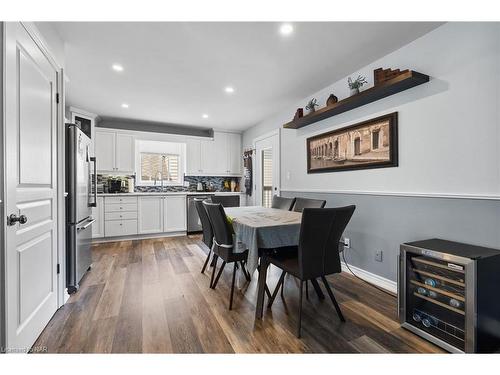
point(193, 220)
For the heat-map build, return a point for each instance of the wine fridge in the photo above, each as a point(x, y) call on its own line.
point(449, 294)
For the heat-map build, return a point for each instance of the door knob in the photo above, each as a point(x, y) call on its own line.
point(13, 218)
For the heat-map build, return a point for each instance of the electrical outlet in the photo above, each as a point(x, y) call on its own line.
point(347, 243)
point(378, 256)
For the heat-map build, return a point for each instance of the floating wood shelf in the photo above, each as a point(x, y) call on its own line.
point(400, 83)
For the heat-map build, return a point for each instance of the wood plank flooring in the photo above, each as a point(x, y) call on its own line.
point(149, 296)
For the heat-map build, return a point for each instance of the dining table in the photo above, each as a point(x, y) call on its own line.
point(261, 229)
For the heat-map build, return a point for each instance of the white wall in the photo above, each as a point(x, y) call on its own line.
point(449, 137)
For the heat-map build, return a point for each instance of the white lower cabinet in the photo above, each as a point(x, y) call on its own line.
point(174, 213)
point(150, 214)
point(132, 215)
point(98, 215)
point(120, 216)
point(119, 228)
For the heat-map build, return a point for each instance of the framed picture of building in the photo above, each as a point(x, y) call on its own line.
point(368, 144)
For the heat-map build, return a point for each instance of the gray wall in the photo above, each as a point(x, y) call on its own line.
point(384, 222)
point(449, 145)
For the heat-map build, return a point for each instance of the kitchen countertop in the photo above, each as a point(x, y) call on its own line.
point(169, 193)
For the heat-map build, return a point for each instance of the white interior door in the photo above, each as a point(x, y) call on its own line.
point(31, 187)
point(267, 169)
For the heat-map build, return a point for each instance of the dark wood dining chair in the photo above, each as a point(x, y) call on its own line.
point(317, 254)
point(282, 203)
point(208, 234)
point(301, 203)
point(224, 246)
point(227, 200)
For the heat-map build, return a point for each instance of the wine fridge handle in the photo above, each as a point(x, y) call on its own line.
point(398, 289)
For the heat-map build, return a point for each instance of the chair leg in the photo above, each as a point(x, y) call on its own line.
point(268, 292)
point(307, 289)
point(218, 274)
point(316, 287)
point(299, 320)
point(280, 282)
point(332, 297)
point(232, 286)
point(245, 272)
point(206, 261)
point(214, 266)
point(283, 288)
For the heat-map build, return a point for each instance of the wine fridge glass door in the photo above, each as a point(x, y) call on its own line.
point(436, 298)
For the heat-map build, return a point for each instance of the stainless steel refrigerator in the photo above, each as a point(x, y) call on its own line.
point(81, 180)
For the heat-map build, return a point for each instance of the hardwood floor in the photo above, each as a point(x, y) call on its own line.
point(149, 297)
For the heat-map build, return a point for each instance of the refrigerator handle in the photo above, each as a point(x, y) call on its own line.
point(94, 187)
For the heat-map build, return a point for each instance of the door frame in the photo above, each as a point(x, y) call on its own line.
point(62, 295)
point(276, 132)
point(3, 312)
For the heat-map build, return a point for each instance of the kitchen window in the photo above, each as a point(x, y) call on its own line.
point(158, 167)
point(160, 163)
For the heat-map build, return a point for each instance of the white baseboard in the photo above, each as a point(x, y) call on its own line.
point(379, 281)
point(137, 237)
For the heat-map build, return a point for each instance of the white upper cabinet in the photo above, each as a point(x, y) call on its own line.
point(86, 121)
point(193, 157)
point(114, 151)
point(208, 156)
point(220, 156)
point(125, 154)
point(235, 154)
point(105, 150)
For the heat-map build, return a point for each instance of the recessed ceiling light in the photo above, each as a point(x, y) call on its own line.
point(117, 67)
point(124, 105)
point(286, 29)
point(204, 115)
point(229, 89)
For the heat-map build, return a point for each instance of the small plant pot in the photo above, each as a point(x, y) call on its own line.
point(354, 91)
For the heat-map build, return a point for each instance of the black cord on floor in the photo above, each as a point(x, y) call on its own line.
point(363, 280)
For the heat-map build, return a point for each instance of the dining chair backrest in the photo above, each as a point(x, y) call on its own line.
point(282, 203)
point(208, 234)
point(223, 233)
point(227, 200)
point(320, 233)
point(301, 203)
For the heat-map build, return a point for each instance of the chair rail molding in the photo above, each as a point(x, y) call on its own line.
point(396, 193)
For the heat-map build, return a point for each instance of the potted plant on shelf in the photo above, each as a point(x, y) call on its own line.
point(355, 85)
point(311, 105)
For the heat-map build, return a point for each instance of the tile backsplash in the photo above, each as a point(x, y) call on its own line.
point(211, 183)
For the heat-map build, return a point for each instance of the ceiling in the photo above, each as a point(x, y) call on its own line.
point(174, 72)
